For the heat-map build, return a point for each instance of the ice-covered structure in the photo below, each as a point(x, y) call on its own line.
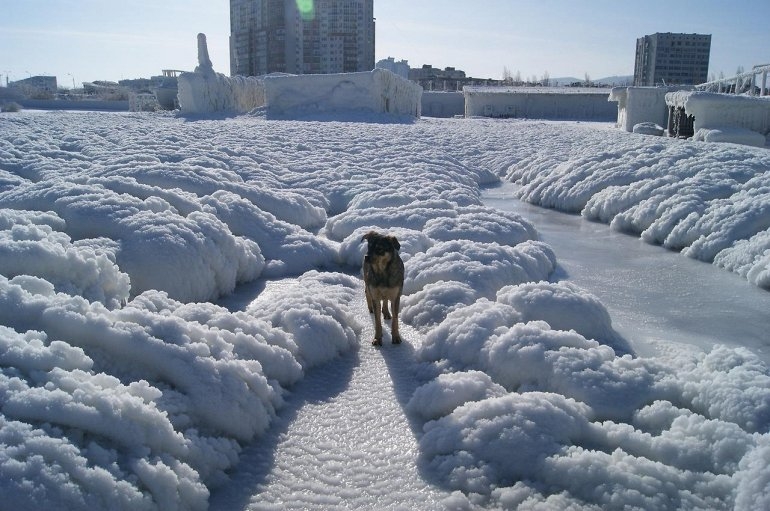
point(538, 103)
point(753, 82)
point(739, 119)
point(378, 91)
point(205, 91)
point(639, 105)
point(295, 96)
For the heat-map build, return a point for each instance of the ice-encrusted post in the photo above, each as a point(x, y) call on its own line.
point(206, 91)
point(204, 62)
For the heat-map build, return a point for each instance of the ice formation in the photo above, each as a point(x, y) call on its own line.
point(296, 96)
point(717, 111)
point(378, 91)
point(716, 117)
point(637, 105)
point(205, 91)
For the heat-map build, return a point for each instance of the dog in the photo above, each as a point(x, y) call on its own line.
point(383, 272)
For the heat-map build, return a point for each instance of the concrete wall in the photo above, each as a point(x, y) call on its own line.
point(443, 104)
point(545, 103)
point(61, 104)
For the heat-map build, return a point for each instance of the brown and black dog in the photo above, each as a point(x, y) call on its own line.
point(383, 281)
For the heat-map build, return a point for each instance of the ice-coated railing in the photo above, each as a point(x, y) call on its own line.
point(741, 83)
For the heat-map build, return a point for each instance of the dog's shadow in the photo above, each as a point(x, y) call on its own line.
point(407, 374)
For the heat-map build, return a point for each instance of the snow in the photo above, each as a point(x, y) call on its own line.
point(182, 318)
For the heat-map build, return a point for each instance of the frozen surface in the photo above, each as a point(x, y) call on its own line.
point(709, 201)
point(652, 294)
point(182, 319)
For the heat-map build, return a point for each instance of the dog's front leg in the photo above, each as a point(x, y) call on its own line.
point(369, 300)
point(377, 323)
point(395, 335)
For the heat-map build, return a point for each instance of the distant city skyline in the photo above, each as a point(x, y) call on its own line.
point(87, 40)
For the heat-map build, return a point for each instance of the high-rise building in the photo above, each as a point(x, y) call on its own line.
point(301, 36)
point(672, 59)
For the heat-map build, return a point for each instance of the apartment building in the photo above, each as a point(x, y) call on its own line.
point(307, 37)
point(672, 59)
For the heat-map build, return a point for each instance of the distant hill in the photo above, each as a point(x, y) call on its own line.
point(609, 80)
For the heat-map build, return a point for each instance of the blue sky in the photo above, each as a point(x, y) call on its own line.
point(85, 40)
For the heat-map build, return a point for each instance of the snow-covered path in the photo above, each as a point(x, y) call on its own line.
point(343, 440)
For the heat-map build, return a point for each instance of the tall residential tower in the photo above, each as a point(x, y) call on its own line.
point(301, 36)
point(672, 59)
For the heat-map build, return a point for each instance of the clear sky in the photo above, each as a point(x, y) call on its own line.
point(86, 40)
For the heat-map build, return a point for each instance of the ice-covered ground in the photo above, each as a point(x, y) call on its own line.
point(177, 295)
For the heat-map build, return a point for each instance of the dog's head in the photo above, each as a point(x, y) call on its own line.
point(381, 245)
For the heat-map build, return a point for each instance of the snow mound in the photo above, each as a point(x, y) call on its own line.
point(590, 426)
point(202, 381)
point(732, 135)
point(471, 448)
point(564, 306)
point(481, 224)
point(32, 243)
point(648, 128)
point(491, 265)
point(429, 306)
point(444, 394)
point(316, 310)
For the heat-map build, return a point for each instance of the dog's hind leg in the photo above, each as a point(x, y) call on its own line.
point(366, 269)
point(369, 301)
point(385, 310)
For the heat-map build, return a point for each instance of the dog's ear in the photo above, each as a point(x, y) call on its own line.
point(395, 242)
point(368, 235)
